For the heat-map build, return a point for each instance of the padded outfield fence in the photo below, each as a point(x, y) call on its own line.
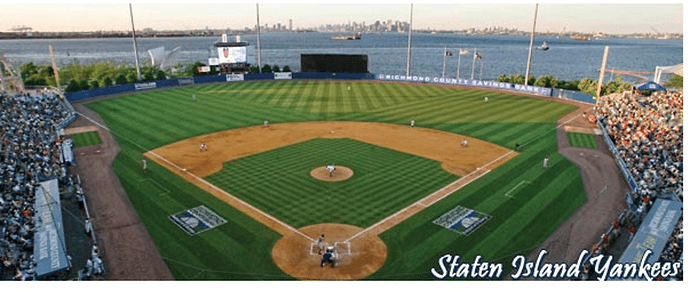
point(490, 84)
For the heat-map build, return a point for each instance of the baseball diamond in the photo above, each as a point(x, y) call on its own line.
point(257, 178)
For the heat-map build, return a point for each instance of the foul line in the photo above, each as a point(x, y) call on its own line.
point(419, 202)
point(230, 195)
point(521, 182)
point(549, 131)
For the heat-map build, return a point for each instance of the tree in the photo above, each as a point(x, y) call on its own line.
point(83, 84)
point(73, 86)
point(503, 78)
point(517, 79)
point(266, 68)
point(286, 69)
point(107, 81)
point(120, 79)
point(254, 69)
point(675, 81)
point(94, 84)
point(276, 68)
point(160, 75)
point(588, 86)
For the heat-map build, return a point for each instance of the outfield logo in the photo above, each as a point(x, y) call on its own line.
point(197, 220)
point(234, 77)
point(145, 86)
point(462, 220)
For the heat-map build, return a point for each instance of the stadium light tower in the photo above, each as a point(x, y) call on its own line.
point(531, 44)
point(409, 43)
point(134, 38)
point(258, 38)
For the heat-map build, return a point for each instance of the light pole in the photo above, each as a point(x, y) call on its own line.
point(409, 44)
point(531, 44)
point(134, 38)
point(258, 38)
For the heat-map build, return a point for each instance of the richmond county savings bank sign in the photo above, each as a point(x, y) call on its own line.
point(467, 82)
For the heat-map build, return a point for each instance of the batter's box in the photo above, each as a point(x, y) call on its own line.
point(197, 220)
point(341, 248)
point(462, 220)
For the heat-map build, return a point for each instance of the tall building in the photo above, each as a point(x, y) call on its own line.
point(290, 24)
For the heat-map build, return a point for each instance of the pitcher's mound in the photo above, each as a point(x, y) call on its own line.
point(341, 173)
point(298, 256)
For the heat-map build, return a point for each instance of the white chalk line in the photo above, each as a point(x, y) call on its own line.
point(198, 178)
point(419, 202)
point(230, 195)
point(514, 187)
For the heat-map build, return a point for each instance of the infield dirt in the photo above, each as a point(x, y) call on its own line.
point(292, 252)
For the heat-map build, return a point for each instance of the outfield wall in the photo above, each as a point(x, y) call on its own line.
point(489, 84)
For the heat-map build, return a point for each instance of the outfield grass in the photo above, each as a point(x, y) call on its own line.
point(86, 139)
point(241, 248)
point(582, 140)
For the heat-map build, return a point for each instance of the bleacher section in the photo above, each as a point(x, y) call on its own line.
point(34, 184)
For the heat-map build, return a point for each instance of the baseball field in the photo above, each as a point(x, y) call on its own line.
point(249, 206)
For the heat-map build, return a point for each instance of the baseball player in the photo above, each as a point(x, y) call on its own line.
point(194, 97)
point(320, 242)
point(203, 147)
point(266, 123)
point(464, 143)
point(412, 123)
point(546, 162)
point(329, 257)
point(486, 99)
point(330, 169)
point(144, 166)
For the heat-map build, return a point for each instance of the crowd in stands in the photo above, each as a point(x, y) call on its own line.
point(647, 130)
point(30, 153)
point(648, 133)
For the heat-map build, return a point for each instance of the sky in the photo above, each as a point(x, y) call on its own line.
point(554, 16)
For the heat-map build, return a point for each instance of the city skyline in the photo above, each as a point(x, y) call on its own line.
point(613, 18)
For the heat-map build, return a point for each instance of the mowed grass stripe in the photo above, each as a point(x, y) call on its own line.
point(86, 139)
point(283, 182)
point(582, 140)
point(413, 246)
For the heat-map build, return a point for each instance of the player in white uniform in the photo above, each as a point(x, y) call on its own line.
point(330, 169)
point(320, 243)
point(412, 123)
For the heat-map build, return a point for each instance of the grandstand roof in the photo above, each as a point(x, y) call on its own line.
point(650, 86)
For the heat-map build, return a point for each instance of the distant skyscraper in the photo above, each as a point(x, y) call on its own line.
point(290, 24)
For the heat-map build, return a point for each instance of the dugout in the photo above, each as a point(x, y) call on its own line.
point(334, 63)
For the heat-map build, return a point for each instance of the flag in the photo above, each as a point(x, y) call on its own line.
point(449, 53)
point(464, 51)
point(477, 55)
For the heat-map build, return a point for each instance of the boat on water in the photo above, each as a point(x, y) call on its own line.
point(355, 36)
point(543, 46)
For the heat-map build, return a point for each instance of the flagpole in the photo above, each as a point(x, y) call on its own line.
point(445, 49)
point(474, 59)
point(531, 44)
point(457, 75)
point(409, 43)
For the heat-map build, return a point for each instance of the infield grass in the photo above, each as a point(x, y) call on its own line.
point(384, 181)
point(241, 248)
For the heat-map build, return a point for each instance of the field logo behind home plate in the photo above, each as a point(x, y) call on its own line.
point(462, 220)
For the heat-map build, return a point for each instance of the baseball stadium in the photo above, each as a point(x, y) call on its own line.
point(334, 173)
point(237, 180)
